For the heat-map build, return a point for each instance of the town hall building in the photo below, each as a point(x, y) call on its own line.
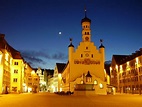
point(84, 72)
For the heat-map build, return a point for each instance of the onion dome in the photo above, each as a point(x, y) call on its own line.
point(85, 19)
point(101, 46)
point(71, 45)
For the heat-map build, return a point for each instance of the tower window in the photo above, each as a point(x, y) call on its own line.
point(81, 55)
point(92, 55)
point(86, 47)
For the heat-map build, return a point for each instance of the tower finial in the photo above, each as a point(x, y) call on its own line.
point(101, 41)
point(85, 11)
point(70, 40)
point(71, 45)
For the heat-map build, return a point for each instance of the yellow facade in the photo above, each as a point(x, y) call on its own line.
point(55, 83)
point(31, 80)
point(12, 69)
point(5, 74)
point(126, 73)
point(17, 75)
point(87, 59)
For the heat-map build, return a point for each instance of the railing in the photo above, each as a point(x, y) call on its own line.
point(84, 87)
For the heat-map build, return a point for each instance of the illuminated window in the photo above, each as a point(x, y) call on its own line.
point(101, 86)
point(0, 57)
point(6, 56)
point(95, 82)
point(15, 63)
point(14, 79)
point(81, 81)
point(15, 71)
point(88, 79)
point(11, 61)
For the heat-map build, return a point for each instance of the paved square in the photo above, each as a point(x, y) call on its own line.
point(53, 100)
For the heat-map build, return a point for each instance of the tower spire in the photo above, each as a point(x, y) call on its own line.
point(85, 11)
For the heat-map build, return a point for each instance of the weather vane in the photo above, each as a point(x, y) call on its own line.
point(101, 40)
point(71, 40)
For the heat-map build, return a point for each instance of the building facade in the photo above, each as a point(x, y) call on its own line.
point(126, 73)
point(31, 80)
point(12, 69)
point(55, 81)
point(84, 72)
point(40, 72)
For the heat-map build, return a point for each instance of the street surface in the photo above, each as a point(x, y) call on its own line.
point(53, 100)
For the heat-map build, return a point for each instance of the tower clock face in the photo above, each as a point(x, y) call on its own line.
point(86, 38)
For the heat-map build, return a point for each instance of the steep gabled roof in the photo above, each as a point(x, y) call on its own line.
point(60, 67)
point(4, 45)
point(119, 58)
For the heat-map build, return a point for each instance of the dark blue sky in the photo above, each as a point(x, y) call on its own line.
point(33, 26)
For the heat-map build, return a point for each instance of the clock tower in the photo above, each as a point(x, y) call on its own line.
point(86, 31)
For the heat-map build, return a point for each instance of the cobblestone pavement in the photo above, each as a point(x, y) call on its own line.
point(53, 100)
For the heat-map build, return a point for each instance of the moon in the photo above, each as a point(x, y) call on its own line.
point(60, 33)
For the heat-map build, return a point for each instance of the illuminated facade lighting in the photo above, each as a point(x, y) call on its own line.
point(85, 65)
point(128, 79)
point(13, 74)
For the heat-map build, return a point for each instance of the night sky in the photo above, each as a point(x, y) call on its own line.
point(32, 27)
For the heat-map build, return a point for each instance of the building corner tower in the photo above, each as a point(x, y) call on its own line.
point(102, 50)
point(70, 50)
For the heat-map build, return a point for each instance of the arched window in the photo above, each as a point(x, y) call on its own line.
point(95, 82)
